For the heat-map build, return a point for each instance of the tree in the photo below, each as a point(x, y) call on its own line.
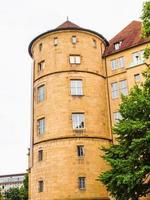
point(146, 25)
point(12, 194)
point(16, 193)
point(129, 176)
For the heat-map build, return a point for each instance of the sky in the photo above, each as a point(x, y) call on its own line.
point(20, 22)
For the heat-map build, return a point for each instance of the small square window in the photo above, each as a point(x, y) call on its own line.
point(40, 186)
point(74, 39)
point(81, 183)
point(75, 59)
point(137, 77)
point(55, 41)
point(117, 45)
point(78, 121)
point(80, 150)
point(41, 66)
point(41, 93)
point(41, 126)
point(40, 155)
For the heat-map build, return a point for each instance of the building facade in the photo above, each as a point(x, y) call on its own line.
point(78, 77)
point(11, 180)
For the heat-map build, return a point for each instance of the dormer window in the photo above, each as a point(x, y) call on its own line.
point(117, 45)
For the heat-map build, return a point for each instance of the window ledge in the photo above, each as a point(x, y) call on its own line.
point(136, 64)
point(78, 130)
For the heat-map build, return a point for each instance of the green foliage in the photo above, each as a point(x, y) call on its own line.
point(146, 26)
point(146, 19)
point(129, 176)
point(12, 194)
point(18, 194)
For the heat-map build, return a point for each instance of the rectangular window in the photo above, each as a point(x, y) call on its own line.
point(94, 43)
point(117, 63)
point(41, 93)
point(40, 155)
point(81, 183)
point(74, 39)
point(75, 59)
point(123, 87)
point(55, 41)
point(41, 126)
point(40, 186)
point(41, 66)
point(80, 150)
point(40, 46)
point(117, 117)
point(115, 90)
point(137, 58)
point(137, 77)
point(78, 120)
point(76, 87)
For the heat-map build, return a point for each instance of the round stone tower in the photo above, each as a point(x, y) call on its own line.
point(70, 114)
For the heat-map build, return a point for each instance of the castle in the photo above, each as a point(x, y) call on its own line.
point(78, 79)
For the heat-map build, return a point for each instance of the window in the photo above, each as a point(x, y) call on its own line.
point(123, 87)
point(41, 66)
point(40, 155)
point(40, 186)
point(94, 43)
point(40, 46)
point(117, 63)
point(80, 150)
point(74, 39)
point(81, 183)
point(41, 126)
point(55, 41)
point(117, 117)
point(117, 45)
point(76, 87)
point(137, 77)
point(137, 58)
point(78, 120)
point(41, 93)
point(115, 90)
point(75, 59)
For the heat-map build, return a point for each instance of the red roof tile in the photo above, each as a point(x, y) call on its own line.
point(67, 24)
point(130, 37)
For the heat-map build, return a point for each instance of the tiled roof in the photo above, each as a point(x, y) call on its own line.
point(130, 36)
point(67, 24)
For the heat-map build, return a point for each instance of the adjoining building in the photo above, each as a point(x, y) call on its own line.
point(78, 79)
point(11, 180)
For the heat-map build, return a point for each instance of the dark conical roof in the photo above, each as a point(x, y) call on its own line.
point(68, 24)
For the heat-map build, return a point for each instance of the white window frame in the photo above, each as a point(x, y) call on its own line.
point(137, 58)
point(115, 90)
point(75, 59)
point(117, 45)
point(117, 117)
point(41, 93)
point(76, 87)
point(117, 63)
point(74, 39)
point(123, 87)
point(78, 121)
point(41, 126)
point(55, 41)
